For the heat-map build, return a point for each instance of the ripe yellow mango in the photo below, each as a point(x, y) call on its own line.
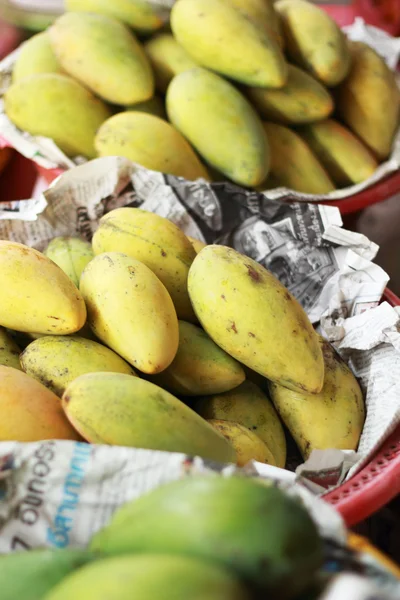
point(37, 296)
point(200, 366)
point(36, 56)
point(156, 242)
point(263, 15)
point(30, 412)
point(293, 164)
point(111, 408)
point(314, 41)
point(104, 55)
point(218, 36)
point(334, 418)
point(343, 155)
point(168, 58)
point(9, 351)
point(128, 134)
point(247, 444)
point(220, 123)
point(130, 310)
point(255, 319)
point(138, 14)
point(250, 407)
point(57, 107)
point(302, 100)
point(155, 106)
point(55, 361)
point(368, 101)
point(197, 244)
point(71, 255)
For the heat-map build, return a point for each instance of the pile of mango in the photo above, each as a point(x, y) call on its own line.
point(259, 93)
point(148, 339)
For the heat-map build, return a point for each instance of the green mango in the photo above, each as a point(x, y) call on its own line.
point(36, 56)
point(71, 255)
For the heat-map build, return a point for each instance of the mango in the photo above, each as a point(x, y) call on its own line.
point(344, 156)
point(56, 361)
point(314, 41)
point(293, 165)
point(259, 533)
point(37, 296)
point(247, 405)
point(218, 36)
point(150, 576)
point(302, 100)
point(368, 101)
point(255, 319)
point(130, 310)
point(263, 15)
point(247, 444)
point(9, 351)
point(128, 133)
point(112, 408)
point(200, 366)
point(138, 14)
point(220, 123)
point(104, 55)
point(71, 255)
point(333, 418)
point(168, 58)
point(57, 107)
point(36, 56)
point(197, 244)
point(154, 106)
point(30, 412)
point(156, 242)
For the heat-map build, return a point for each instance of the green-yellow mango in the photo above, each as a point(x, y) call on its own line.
point(36, 56)
point(155, 106)
point(71, 255)
point(138, 14)
point(111, 408)
point(56, 361)
point(368, 101)
point(104, 55)
point(302, 100)
point(37, 296)
point(255, 319)
point(218, 36)
point(250, 407)
point(247, 444)
point(293, 164)
point(156, 242)
point(168, 58)
point(130, 310)
point(263, 15)
point(200, 366)
point(9, 351)
point(343, 155)
point(128, 134)
point(56, 106)
point(314, 40)
point(334, 418)
point(220, 123)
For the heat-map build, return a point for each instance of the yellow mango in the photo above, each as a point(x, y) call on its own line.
point(104, 55)
point(197, 244)
point(220, 123)
point(293, 164)
point(368, 101)
point(302, 100)
point(37, 296)
point(130, 310)
point(250, 407)
point(333, 418)
point(314, 41)
point(344, 156)
point(218, 36)
point(263, 15)
point(167, 58)
point(71, 255)
point(30, 412)
point(57, 107)
point(138, 14)
point(111, 408)
point(156, 242)
point(254, 318)
point(56, 361)
point(9, 351)
point(154, 106)
point(36, 56)
point(247, 444)
point(200, 366)
point(128, 134)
